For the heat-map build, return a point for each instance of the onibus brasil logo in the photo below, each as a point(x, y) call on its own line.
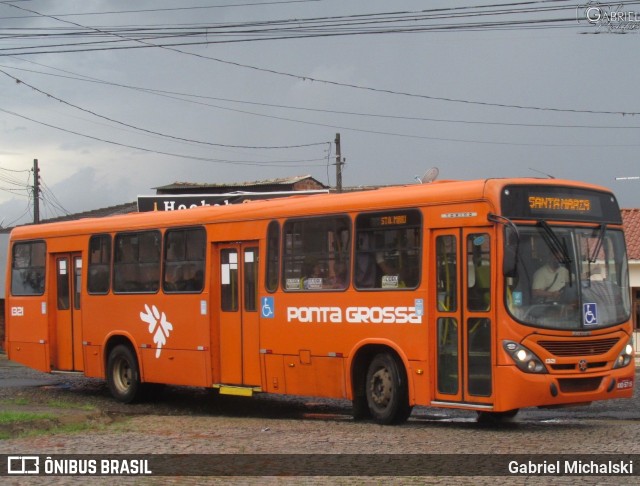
point(159, 326)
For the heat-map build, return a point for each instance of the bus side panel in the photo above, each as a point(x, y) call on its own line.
point(274, 381)
point(330, 324)
point(33, 355)
point(418, 373)
point(93, 361)
point(175, 367)
point(169, 332)
point(28, 332)
point(321, 376)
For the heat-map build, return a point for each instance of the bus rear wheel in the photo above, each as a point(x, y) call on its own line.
point(387, 391)
point(123, 374)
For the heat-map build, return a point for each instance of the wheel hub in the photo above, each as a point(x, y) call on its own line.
point(381, 388)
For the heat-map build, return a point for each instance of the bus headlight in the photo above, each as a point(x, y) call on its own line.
point(524, 359)
point(625, 357)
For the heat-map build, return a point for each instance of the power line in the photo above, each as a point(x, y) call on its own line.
point(19, 186)
point(26, 212)
point(180, 96)
point(336, 83)
point(333, 126)
point(183, 139)
point(277, 163)
point(15, 170)
point(49, 197)
point(175, 9)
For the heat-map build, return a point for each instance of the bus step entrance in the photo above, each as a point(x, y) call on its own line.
point(240, 391)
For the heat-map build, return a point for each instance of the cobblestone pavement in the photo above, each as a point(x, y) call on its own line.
point(195, 421)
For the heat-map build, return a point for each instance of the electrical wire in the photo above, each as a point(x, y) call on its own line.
point(164, 135)
point(48, 196)
point(186, 97)
point(173, 9)
point(277, 163)
point(142, 43)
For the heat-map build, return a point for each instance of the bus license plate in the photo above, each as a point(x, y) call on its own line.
point(624, 383)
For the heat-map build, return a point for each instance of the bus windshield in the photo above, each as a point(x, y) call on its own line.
point(569, 278)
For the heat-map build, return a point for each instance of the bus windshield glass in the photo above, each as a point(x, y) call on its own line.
point(569, 278)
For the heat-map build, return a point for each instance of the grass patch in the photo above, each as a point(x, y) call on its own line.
point(11, 417)
point(58, 429)
point(16, 401)
point(70, 406)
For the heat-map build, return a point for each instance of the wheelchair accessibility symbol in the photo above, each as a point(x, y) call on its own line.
point(267, 309)
point(590, 314)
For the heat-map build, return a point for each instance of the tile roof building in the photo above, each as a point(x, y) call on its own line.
point(631, 221)
point(296, 183)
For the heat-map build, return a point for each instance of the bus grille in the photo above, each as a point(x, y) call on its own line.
point(578, 385)
point(579, 348)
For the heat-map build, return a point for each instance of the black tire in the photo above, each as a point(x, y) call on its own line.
point(123, 374)
point(361, 408)
point(387, 391)
point(497, 417)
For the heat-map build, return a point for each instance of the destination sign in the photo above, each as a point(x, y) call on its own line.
point(393, 220)
point(410, 217)
point(559, 203)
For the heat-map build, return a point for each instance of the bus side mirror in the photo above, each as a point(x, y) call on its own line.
point(510, 259)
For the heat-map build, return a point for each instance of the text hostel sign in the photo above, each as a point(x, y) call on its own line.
point(175, 202)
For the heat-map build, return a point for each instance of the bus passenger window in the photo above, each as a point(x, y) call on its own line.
point(479, 272)
point(62, 283)
point(27, 268)
point(250, 278)
point(446, 273)
point(98, 280)
point(388, 250)
point(316, 254)
point(184, 260)
point(273, 256)
point(229, 280)
point(137, 262)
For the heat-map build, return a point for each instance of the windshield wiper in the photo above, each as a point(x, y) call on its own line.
point(598, 247)
point(557, 247)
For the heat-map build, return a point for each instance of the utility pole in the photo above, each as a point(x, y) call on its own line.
point(339, 164)
point(36, 192)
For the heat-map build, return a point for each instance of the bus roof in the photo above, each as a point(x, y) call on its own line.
point(414, 195)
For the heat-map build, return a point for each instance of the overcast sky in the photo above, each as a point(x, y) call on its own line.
point(525, 89)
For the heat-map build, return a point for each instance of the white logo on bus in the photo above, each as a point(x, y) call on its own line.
point(355, 315)
point(159, 326)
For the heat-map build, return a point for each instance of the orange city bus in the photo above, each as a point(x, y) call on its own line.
point(488, 295)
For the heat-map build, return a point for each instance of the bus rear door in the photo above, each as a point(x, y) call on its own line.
point(66, 352)
point(463, 317)
point(238, 317)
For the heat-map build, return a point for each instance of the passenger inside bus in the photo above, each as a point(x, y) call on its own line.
point(550, 280)
point(313, 274)
point(391, 278)
point(340, 279)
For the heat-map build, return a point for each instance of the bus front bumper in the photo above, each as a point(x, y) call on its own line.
point(517, 389)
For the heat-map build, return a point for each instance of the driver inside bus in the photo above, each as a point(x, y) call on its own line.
point(550, 279)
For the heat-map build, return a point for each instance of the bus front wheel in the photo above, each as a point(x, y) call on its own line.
point(386, 390)
point(123, 374)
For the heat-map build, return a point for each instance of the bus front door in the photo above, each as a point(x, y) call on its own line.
point(238, 323)
point(66, 349)
point(463, 317)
